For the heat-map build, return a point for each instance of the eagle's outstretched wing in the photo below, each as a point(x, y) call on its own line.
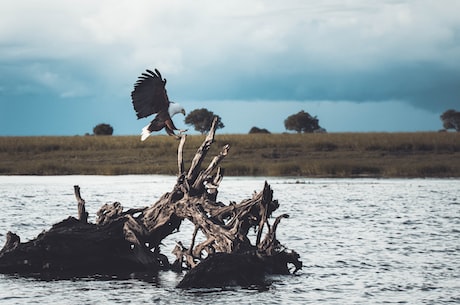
point(149, 95)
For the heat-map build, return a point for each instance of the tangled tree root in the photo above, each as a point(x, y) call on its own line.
point(123, 242)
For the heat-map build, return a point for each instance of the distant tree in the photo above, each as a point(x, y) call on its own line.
point(451, 119)
point(103, 130)
point(201, 119)
point(302, 122)
point(258, 130)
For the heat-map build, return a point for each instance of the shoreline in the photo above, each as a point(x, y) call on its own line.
point(334, 155)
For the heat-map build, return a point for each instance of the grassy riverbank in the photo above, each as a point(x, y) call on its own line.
point(312, 155)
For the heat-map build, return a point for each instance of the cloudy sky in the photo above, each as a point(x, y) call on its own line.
point(358, 65)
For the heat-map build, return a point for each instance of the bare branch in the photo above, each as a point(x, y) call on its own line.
point(201, 153)
point(82, 214)
point(180, 160)
point(214, 163)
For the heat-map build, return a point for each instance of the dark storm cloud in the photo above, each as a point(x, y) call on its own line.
point(424, 85)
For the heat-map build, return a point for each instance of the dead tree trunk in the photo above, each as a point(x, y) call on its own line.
point(129, 241)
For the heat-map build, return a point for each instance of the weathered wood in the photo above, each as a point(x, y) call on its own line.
point(11, 243)
point(73, 248)
point(180, 158)
point(201, 152)
point(225, 269)
point(82, 214)
point(205, 176)
point(130, 241)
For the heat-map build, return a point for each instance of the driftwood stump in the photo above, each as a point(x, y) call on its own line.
point(125, 242)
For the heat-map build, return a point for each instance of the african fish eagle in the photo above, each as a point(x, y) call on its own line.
point(148, 97)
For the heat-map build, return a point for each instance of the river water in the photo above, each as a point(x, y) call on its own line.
point(362, 241)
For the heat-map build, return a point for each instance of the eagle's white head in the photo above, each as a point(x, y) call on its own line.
point(175, 108)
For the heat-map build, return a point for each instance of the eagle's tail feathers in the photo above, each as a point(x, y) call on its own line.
point(145, 133)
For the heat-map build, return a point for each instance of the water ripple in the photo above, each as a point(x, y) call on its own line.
point(363, 241)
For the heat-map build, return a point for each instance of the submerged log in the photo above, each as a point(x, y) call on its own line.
point(122, 242)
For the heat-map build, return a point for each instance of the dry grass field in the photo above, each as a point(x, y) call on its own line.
point(431, 154)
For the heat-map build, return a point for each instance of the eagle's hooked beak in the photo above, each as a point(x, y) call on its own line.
point(182, 111)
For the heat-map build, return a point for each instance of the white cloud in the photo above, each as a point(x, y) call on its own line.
point(351, 34)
